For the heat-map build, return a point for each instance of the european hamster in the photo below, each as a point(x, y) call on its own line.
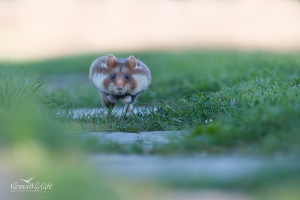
point(119, 78)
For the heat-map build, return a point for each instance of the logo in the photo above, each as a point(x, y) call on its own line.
point(29, 186)
point(28, 181)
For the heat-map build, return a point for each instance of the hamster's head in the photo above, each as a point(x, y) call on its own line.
point(120, 74)
point(116, 76)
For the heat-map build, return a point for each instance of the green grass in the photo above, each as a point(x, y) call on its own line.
point(253, 100)
point(251, 97)
point(174, 75)
point(260, 116)
point(35, 142)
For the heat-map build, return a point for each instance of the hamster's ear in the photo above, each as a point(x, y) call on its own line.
point(111, 61)
point(130, 62)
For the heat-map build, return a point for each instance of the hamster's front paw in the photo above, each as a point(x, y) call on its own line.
point(128, 108)
point(112, 99)
point(127, 99)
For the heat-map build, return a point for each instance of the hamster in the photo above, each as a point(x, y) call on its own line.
point(119, 78)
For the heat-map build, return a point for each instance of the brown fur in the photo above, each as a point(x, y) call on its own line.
point(120, 68)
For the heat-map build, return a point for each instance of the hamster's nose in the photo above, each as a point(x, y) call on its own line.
point(119, 87)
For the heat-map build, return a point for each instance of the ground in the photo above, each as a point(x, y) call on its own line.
point(228, 102)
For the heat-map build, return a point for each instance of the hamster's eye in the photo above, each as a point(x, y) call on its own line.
point(126, 76)
point(113, 76)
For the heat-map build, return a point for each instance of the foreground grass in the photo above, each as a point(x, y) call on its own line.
point(251, 98)
point(259, 116)
point(254, 110)
point(35, 143)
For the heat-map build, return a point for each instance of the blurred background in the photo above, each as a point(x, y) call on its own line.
point(225, 71)
point(34, 29)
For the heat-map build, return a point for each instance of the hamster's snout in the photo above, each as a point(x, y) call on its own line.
point(119, 87)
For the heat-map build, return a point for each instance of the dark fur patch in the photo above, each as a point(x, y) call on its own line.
point(106, 82)
point(132, 83)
